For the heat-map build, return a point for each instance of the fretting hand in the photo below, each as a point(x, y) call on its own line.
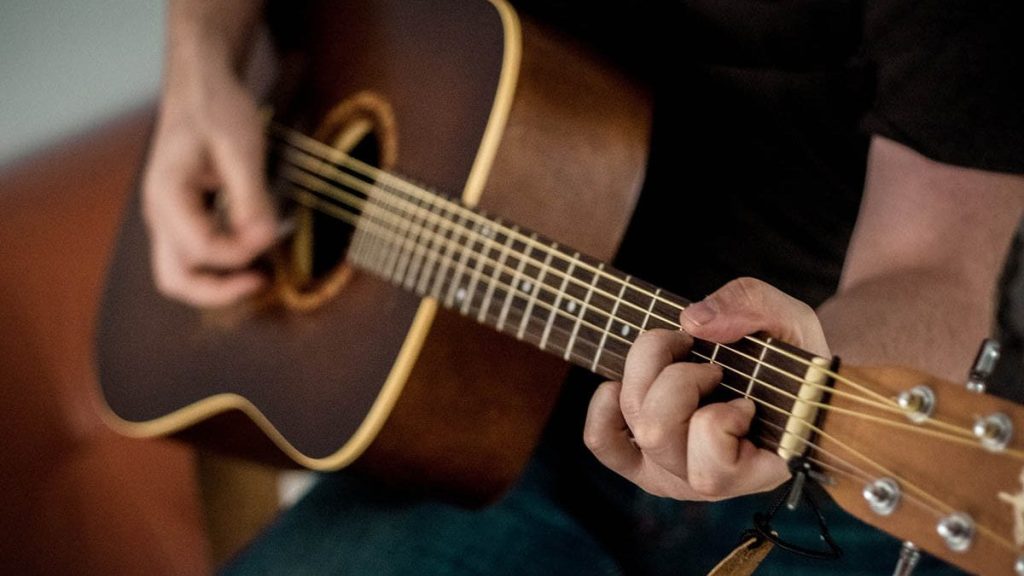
point(649, 428)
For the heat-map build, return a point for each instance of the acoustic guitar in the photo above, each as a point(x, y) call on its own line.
point(422, 339)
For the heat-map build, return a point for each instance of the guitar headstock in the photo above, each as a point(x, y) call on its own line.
point(930, 462)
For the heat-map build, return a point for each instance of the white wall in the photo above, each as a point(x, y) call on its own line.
point(68, 64)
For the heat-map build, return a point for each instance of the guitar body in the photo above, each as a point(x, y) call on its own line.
point(463, 96)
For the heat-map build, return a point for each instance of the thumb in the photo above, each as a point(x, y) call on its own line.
point(745, 306)
point(238, 154)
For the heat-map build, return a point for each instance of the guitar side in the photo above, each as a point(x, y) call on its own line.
point(440, 402)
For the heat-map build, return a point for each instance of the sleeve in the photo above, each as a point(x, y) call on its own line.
point(949, 79)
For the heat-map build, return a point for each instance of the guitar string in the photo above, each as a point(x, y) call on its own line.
point(356, 202)
point(966, 433)
point(851, 471)
point(339, 159)
point(324, 184)
point(904, 483)
point(312, 201)
point(542, 286)
point(937, 505)
point(897, 424)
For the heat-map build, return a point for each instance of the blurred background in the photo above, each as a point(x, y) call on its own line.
point(67, 65)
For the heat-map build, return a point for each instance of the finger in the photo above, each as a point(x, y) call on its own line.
point(722, 463)
point(238, 147)
point(650, 354)
point(194, 233)
point(606, 435)
point(661, 427)
point(176, 280)
point(745, 306)
point(174, 208)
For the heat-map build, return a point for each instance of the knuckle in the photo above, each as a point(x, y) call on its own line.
point(650, 338)
point(593, 439)
point(651, 436)
point(747, 292)
point(710, 484)
point(677, 372)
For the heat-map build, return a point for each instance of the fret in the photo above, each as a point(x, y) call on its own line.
point(417, 225)
point(650, 310)
point(455, 291)
point(506, 247)
point(570, 347)
point(372, 236)
point(540, 287)
point(451, 238)
point(425, 238)
point(757, 368)
point(555, 308)
point(737, 360)
point(664, 314)
point(482, 259)
point(394, 223)
point(608, 326)
point(430, 268)
point(514, 286)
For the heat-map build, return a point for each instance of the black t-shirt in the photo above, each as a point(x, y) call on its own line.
point(763, 114)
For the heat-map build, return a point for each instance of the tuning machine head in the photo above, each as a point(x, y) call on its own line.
point(984, 365)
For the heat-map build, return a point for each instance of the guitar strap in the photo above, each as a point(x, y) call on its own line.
point(745, 559)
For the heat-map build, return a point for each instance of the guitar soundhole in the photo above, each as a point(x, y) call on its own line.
point(315, 267)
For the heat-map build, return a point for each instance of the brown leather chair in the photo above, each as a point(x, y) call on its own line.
point(74, 497)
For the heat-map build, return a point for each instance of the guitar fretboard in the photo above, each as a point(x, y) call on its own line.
point(561, 301)
point(530, 287)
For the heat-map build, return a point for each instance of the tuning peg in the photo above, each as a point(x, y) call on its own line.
point(984, 365)
point(910, 555)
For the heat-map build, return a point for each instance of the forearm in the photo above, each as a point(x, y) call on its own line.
point(920, 319)
point(920, 280)
point(209, 32)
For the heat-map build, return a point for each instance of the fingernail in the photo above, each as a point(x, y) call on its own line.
point(700, 313)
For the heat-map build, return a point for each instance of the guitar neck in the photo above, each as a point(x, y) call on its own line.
point(551, 296)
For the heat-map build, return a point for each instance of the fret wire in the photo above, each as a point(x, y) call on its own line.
point(757, 366)
point(583, 311)
point(379, 249)
point(506, 247)
point(650, 309)
point(416, 261)
point(460, 268)
point(558, 300)
point(516, 278)
point(391, 263)
point(452, 235)
point(416, 230)
point(537, 290)
point(481, 262)
point(431, 266)
point(611, 320)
